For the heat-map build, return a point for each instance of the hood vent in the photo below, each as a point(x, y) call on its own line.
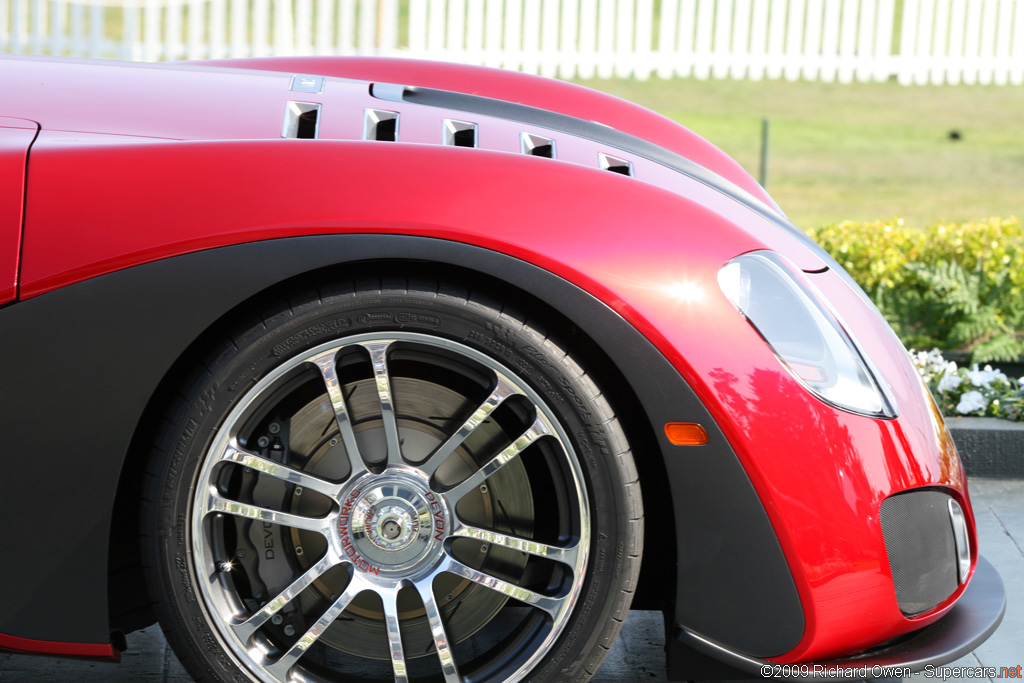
point(301, 121)
point(460, 133)
point(380, 125)
point(537, 146)
point(615, 164)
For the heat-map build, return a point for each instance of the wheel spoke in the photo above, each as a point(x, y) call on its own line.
point(246, 628)
point(279, 471)
point(325, 362)
point(551, 605)
point(217, 503)
point(564, 554)
point(390, 602)
point(282, 666)
point(537, 430)
point(378, 357)
point(441, 643)
point(501, 392)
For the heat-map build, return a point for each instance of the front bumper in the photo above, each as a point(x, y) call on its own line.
point(973, 618)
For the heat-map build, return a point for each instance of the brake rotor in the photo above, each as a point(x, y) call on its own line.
point(505, 503)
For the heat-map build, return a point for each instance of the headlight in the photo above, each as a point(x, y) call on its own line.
point(806, 336)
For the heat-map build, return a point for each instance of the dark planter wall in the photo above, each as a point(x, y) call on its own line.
point(989, 446)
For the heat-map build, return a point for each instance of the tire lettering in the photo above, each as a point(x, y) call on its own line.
point(327, 328)
point(370, 318)
point(568, 388)
point(181, 565)
point(418, 318)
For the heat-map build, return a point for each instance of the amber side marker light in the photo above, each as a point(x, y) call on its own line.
point(686, 433)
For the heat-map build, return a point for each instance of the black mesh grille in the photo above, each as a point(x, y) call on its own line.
point(922, 555)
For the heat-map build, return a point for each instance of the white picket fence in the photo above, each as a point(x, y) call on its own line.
point(938, 41)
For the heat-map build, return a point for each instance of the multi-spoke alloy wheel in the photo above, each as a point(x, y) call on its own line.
point(393, 486)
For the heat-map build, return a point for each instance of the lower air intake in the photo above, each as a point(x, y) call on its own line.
point(922, 551)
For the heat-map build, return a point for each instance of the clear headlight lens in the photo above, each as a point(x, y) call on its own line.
point(804, 334)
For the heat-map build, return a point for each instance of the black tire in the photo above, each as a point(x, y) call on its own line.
point(254, 489)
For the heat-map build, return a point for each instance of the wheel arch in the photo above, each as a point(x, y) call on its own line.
point(391, 260)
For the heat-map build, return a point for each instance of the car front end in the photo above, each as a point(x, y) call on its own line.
point(807, 512)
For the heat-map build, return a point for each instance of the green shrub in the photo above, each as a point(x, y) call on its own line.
point(951, 286)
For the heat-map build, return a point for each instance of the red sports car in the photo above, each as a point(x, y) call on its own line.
point(354, 369)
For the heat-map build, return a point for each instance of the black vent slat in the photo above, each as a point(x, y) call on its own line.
point(387, 131)
point(307, 125)
point(465, 138)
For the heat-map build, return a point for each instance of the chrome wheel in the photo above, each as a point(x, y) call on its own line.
point(390, 504)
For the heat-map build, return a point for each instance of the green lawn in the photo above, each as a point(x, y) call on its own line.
point(860, 151)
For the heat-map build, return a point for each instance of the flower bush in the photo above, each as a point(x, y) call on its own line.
point(981, 392)
point(951, 286)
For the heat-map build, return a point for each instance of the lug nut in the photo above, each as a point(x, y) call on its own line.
point(277, 619)
point(274, 428)
point(240, 554)
point(289, 630)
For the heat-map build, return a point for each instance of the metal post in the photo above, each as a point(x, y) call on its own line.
point(765, 128)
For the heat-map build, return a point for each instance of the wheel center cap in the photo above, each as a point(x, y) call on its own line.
point(392, 524)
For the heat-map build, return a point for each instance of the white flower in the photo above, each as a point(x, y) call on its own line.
point(920, 361)
point(949, 382)
point(984, 378)
point(978, 377)
point(970, 402)
point(931, 363)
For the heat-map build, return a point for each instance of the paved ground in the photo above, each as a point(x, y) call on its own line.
point(637, 656)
